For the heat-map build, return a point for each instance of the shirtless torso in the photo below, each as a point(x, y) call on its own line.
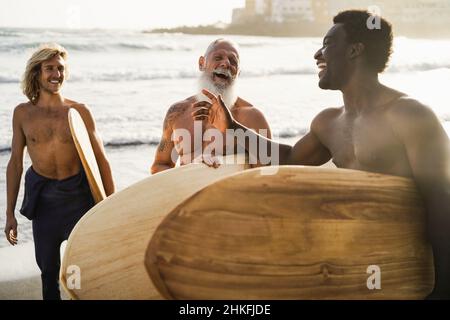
point(44, 130)
point(179, 116)
point(46, 133)
point(365, 141)
point(392, 136)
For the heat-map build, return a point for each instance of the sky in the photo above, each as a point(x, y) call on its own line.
point(114, 14)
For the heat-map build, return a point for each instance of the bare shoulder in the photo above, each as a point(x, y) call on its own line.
point(251, 117)
point(322, 120)
point(21, 111)
point(22, 108)
point(407, 111)
point(80, 107)
point(248, 111)
point(176, 109)
point(85, 113)
point(83, 109)
point(180, 106)
point(243, 108)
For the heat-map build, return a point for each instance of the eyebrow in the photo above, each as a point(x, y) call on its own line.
point(222, 50)
point(53, 65)
point(233, 54)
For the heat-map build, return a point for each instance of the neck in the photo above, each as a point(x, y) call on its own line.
point(361, 92)
point(50, 100)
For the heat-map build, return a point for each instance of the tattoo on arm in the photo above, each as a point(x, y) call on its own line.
point(166, 122)
point(173, 112)
point(162, 145)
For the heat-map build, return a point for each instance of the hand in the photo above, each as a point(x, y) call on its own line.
point(216, 113)
point(209, 160)
point(11, 230)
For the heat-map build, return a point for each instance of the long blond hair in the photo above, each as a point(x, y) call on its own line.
point(30, 79)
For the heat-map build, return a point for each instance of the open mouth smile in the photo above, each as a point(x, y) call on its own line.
point(322, 67)
point(222, 75)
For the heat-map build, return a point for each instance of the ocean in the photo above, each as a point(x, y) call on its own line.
point(130, 78)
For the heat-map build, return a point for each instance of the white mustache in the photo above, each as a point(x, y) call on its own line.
point(224, 72)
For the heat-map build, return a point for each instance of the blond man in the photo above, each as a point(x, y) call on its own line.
point(56, 190)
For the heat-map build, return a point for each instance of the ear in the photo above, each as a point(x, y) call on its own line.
point(356, 50)
point(201, 63)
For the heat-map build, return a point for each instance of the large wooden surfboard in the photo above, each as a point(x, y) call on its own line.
point(304, 233)
point(108, 244)
point(84, 148)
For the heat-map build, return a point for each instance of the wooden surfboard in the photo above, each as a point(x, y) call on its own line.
point(84, 148)
point(108, 244)
point(303, 233)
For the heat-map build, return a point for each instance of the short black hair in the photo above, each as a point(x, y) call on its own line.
point(377, 42)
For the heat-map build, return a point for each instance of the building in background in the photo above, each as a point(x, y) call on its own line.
point(254, 9)
point(409, 17)
point(277, 11)
point(320, 10)
point(398, 11)
point(419, 11)
point(286, 11)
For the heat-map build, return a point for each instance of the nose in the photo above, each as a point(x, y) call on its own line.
point(225, 63)
point(318, 54)
point(56, 73)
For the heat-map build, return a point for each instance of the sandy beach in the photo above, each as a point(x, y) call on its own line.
point(19, 273)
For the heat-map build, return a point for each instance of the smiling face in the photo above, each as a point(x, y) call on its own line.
point(221, 64)
point(333, 59)
point(52, 74)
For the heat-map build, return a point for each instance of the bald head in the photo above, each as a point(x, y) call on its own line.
point(221, 42)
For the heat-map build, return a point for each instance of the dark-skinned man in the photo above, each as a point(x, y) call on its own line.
point(378, 129)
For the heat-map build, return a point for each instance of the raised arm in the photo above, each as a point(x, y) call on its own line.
point(166, 157)
point(13, 174)
point(428, 150)
point(307, 151)
point(97, 147)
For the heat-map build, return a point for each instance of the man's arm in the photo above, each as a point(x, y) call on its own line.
point(254, 119)
point(165, 157)
point(14, 174)
point(309, 150)
point(97, 147)
point(428, 150)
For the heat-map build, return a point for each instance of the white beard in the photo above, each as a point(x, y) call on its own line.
point(228, 94)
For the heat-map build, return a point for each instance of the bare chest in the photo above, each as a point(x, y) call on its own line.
point(366, 144)
point(47, 127)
